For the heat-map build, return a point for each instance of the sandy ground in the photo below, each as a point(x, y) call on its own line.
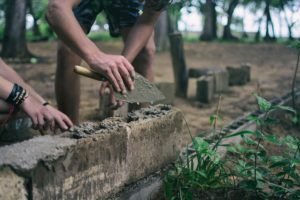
point(272, 70)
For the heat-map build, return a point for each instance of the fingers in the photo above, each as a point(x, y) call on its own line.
point(34, 120)
point(128, 78)
point(114, 81)
point(103, 88)
point(120, 73)
point(120, 81)
point(130, 69)
point(41, 122)
point(67, 121)
point(61, 123)
point(50, 122)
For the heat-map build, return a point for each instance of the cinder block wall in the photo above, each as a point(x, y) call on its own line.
point(99, 162)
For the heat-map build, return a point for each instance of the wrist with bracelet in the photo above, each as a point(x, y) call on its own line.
point(17, 95)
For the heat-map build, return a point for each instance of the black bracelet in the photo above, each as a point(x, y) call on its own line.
point(17, 95)
point(46, 103)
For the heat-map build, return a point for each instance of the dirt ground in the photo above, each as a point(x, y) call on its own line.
point(272, 69)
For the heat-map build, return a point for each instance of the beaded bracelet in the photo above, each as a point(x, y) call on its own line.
point(17, 95)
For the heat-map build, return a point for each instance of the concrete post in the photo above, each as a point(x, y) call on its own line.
point(205, 89)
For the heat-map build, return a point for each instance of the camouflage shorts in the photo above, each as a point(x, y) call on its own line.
point(119, 13)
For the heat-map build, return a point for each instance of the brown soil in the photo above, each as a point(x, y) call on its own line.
point(272, 70)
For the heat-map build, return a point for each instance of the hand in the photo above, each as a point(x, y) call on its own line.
point(107, 87)
point(44, 117)
point(117, 69)
point(60, 118)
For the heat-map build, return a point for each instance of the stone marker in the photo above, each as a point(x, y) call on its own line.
point(205, 89)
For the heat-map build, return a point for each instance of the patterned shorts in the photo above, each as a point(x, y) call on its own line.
point(119, 13)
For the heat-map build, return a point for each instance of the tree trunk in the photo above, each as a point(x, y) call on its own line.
point(210, 22)
point(289, 25)
point(257, 35)
point(161, 32)
point(14, 42)
point(227, 35)
point(269, 22)
point(179, 65)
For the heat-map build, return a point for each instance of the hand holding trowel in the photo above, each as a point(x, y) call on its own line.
point(144, 91)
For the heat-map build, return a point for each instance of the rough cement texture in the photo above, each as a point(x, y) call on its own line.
point(104, 157)
point(205, 89)
point(168, 89)
point(144, 92)
point(11, 186)
point(25, 156)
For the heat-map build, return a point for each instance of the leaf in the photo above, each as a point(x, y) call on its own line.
point(270, 121)
point(272, 138)
point(286, 108)
point(240, 133)
point(281, 163)
point(232, 149)
point(252, 118)
point(263, 104)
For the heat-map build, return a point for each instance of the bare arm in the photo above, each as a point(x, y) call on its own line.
point(9, 74)
point(140, 33)
point(116, 68)
point(33, 104)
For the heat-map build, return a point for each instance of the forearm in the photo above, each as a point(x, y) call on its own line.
point(61, 18)
point(140, 34)
point(5, 88)
point(10, 75)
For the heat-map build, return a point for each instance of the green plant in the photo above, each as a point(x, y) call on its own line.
point(248, 166)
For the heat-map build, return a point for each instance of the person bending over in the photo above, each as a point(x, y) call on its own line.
point(134, 20)
point(15, 94)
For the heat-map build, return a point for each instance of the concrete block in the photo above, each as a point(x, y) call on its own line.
point(168, 89)
point(198, 72)
point(247, 68)
point(12, 187)
point(221, 80)
point(105, 110)
point(205, 89)
point(105, 156)
point(238, 75)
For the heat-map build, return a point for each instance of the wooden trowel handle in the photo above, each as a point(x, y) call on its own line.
point(89, 73)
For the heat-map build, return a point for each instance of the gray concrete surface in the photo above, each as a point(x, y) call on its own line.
point(103, 158)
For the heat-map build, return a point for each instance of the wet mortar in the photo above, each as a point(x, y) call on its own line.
point(88, 129)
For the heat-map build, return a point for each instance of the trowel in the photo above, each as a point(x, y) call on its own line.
point(144, 92)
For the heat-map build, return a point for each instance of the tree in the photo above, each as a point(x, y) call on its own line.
point(227, 35)
point(293, 6)
point(269, 21)
point(210, 21)
point(14, 42)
